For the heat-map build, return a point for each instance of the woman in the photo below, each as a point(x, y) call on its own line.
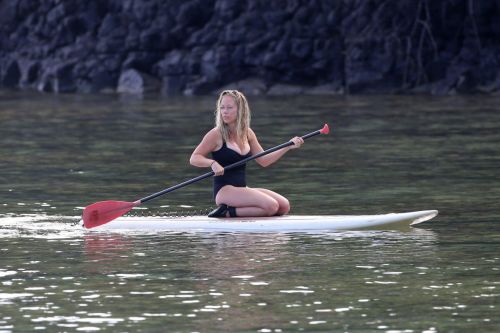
point(230, 141)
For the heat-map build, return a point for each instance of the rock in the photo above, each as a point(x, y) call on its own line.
point(111, 26)
point(56, 15)
point(194, 13)
point(64, 81)
point(199, 85)
point(285, 90)
point(173, 85)
point(228, 9)
point(11, 75)
point(276, 18)
point(301, 48)
point(198, 46)
point(99, 80)
point(142, 61)
point(492, 86)
point(29, 72)
point(302, 15)
point(325, 90)
point(193, 61)
point(238, 57)
point(9, 14)
point(250, 87)
point(132, 81)
point(442, 88)
point(214, 62)
point(172, 64)
point(154, 41)
point(57, 78)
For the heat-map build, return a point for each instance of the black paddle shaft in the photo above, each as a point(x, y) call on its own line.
point(229, 167)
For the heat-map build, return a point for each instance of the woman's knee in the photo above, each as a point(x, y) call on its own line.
point(271, 207)
point(284, 207)
point(283, 203)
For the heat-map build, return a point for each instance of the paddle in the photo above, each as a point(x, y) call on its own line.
point(102, 212)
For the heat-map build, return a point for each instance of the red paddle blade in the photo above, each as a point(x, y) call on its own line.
point(102, 212)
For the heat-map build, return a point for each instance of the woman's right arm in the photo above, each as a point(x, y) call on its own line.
point(208, 144)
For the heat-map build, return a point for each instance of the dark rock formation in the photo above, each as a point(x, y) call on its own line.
point(276, 47)
point(133, 82)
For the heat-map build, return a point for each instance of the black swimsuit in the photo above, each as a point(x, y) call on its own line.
point(236, 177)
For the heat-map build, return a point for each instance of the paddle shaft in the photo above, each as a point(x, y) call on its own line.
point(229, 167)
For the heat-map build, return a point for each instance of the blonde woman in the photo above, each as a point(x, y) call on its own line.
point(230, 141)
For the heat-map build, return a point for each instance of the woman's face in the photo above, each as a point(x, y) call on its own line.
point(228, 109)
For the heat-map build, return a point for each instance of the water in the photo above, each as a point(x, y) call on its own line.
point(385, 153)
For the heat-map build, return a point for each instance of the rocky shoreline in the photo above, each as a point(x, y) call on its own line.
point(284, 47)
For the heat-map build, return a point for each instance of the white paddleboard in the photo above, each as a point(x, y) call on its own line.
point(265, 224)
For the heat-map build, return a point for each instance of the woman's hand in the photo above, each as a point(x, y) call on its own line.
point(217, 168)
point(297, 142)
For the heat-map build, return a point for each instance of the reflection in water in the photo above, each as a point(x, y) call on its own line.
point(238, 282)
point(235, 277)
point(105, 252)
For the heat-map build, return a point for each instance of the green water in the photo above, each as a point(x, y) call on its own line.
point(385, 153)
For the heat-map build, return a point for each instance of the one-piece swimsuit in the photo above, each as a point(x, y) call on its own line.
point(237, 176)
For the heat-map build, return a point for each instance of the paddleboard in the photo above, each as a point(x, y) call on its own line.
point(287, 223)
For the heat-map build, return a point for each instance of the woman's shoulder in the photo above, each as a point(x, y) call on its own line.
point(214, 136)
point(251, 134)
point(214, 133)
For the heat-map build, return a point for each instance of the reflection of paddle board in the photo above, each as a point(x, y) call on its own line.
point(263, 224)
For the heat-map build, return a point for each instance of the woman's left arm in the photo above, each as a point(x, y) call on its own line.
point(269, 159)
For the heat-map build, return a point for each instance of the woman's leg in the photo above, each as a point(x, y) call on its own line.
point(284, 204)
point(248, 201)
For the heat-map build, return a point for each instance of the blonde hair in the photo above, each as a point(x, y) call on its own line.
point(242, 120)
